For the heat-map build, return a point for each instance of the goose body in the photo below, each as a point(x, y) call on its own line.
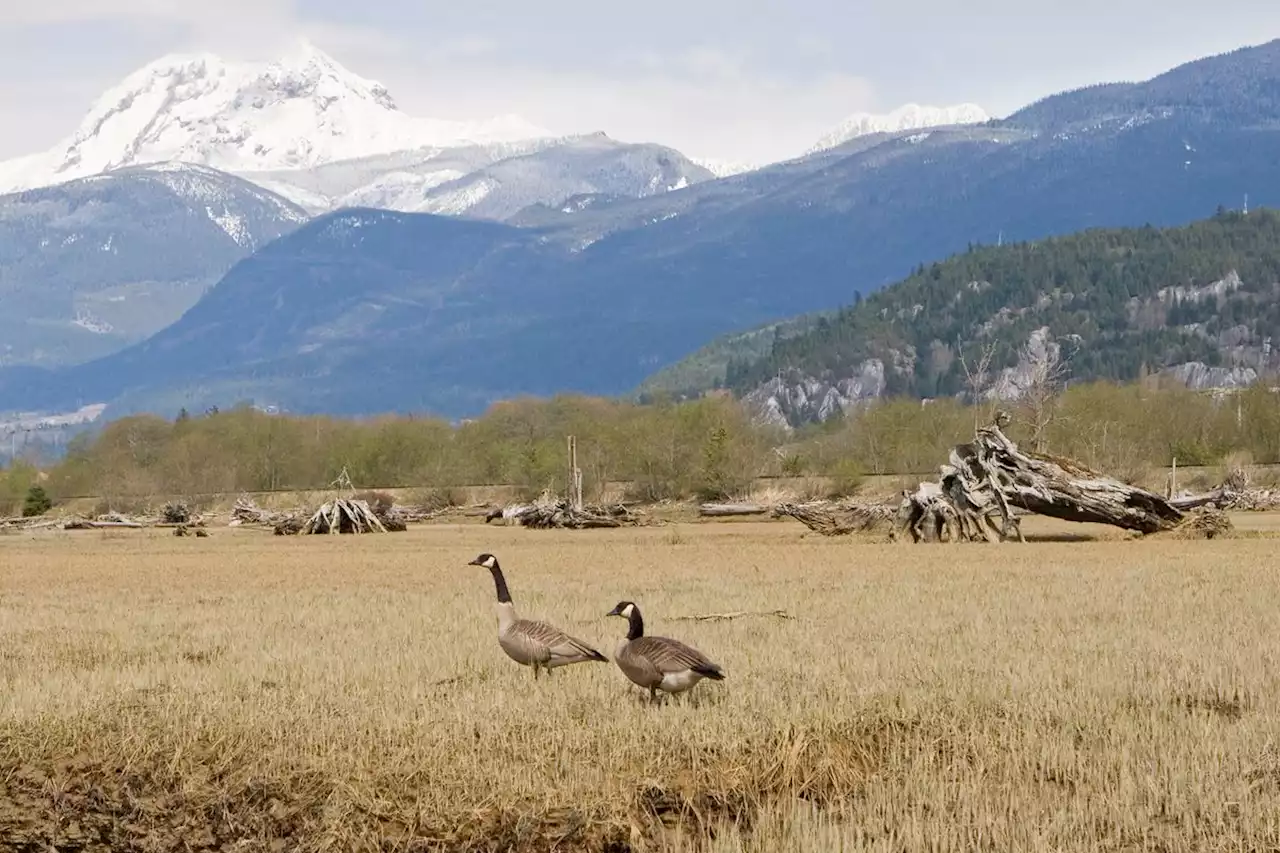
point(659, 663)
point(529, 642)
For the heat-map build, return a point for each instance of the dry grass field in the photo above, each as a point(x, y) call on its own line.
point(248, 692)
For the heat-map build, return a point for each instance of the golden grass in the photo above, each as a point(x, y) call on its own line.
point(253, 692)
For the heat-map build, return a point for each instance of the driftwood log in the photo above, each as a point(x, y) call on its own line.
point(991, 477)
point(839, 518)
point(714, 510)
point(88, 524)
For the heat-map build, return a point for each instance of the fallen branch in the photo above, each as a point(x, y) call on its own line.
point(733, 614)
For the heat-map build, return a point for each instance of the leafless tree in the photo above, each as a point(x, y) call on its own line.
point(1046, 369)
point(977, 381)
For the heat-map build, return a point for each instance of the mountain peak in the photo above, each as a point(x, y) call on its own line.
point(302, 110)
point(906, 117)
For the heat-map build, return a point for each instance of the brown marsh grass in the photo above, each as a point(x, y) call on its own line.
point(251, 692)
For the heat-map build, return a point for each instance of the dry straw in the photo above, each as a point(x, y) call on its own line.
point(253, 692)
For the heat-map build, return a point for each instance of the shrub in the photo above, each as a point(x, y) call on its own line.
point(846, 478)
point(37, 502)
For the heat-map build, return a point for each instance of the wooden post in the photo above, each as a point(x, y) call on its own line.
point(574, 480)
point(1173, 479)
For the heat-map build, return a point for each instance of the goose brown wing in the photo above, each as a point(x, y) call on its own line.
point(545, 642)
point(668, 655)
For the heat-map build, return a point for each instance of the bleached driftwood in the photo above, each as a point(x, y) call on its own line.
point(839, 518)
point(549, 512)
point(344, 515)
point(509, 514)
point(991, 477)
point(715, 510)
point(733, 614)
point(88, 524)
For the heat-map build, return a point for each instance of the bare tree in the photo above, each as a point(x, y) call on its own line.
point(977, 381)
point(1044, 369)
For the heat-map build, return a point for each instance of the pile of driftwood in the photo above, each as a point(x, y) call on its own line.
point(548, 512)
point(986, 480)
point(245, 511)
point(1249, 500)
point(344, 515)
point(337, 515)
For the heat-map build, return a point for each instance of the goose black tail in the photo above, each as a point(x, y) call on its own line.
point(710, 671)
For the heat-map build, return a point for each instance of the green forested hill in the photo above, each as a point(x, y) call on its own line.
point(1127, 299)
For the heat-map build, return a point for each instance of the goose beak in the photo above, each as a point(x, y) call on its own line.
point(475, 562)
point(614, 612)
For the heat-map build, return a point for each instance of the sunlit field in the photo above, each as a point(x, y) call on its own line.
point(251, 692)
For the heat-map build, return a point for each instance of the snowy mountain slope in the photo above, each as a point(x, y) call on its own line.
point(489, 181)
point(396, 181)
point(583, 166)
point(299, 112)
point(906, 117)
point(92, 265)
point(726, 168)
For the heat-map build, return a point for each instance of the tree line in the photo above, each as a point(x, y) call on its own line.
point(708, 448)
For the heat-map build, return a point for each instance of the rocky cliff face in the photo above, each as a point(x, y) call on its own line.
point(797, 399)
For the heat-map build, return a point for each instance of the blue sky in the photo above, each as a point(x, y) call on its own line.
point(715, 78)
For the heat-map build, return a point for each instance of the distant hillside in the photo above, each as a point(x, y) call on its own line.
point(707, 367)
point(1120, 301)
point(90, 266)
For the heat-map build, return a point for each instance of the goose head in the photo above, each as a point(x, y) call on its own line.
point(623, 609)
point(488, 561)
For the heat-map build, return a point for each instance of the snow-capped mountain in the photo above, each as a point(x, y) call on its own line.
point(299, 112)
point(906, 117)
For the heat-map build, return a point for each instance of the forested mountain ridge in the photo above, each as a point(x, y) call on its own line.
point(1118, 301)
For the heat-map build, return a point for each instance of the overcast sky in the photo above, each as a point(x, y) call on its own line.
point(732, 79)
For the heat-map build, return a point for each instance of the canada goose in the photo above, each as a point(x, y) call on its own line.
point(659, 663)
point(531, 643)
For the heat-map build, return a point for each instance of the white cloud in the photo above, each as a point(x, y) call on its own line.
point(71, 11)
point(703, 101)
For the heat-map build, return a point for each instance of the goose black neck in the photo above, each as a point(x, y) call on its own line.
point(635, 629)
point(504, 597)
